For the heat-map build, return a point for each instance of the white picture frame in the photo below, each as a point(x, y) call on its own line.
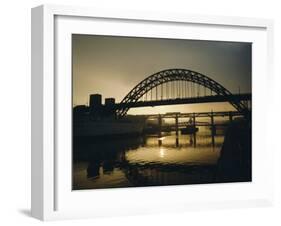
point(51, 197)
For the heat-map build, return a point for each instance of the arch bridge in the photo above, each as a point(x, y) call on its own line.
point(180, 86)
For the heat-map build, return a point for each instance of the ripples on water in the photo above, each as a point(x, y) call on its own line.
point(145, 161)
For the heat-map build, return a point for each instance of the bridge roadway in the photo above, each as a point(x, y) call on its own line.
point(196, 114)
point(190, 100)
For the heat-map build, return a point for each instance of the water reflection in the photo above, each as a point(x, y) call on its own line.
point(145, 161)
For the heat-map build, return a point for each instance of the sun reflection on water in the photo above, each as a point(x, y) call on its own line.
point(162, 152)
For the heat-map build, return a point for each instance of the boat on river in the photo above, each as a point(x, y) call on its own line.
point(189, 129)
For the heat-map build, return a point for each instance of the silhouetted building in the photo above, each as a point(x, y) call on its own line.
point(109, 102)
point(80, 113)
point(80, 109)
point(109, 110)
point(95, 100)
point(96, 107)
point(98, 110)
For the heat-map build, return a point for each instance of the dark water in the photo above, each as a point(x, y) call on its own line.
point(145, 161)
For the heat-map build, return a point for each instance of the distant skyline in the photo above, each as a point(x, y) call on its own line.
point(112, 66)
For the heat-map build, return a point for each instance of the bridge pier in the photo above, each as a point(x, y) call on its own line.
point(177, 129)
point(213, 129)
point(194, 125)
point(230, 116)
point(159, 129)
point(177, 124)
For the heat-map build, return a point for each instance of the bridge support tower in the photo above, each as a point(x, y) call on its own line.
point(159, 129)
point(230, 116)
point(194, 126)
point(177, 129)
point(213, 129)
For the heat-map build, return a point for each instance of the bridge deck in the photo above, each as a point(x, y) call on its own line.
point(196, 114)
point(190, 100)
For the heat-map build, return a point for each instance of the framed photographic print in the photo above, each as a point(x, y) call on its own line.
point(136, 112)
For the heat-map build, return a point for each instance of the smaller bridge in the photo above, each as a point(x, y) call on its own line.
point(229, 114)
point(191, 119)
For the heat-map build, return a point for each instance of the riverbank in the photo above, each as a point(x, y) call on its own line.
point(235, 161)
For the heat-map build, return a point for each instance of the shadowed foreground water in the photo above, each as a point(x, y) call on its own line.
point(145, 161)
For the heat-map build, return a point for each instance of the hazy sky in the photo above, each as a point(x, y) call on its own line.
point(112, 66)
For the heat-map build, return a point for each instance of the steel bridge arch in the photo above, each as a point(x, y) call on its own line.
point(170, 75)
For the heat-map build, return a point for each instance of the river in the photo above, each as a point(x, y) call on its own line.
point(146, 161)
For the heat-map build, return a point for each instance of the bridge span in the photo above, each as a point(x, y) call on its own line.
point(191, 100)
point(183, 86)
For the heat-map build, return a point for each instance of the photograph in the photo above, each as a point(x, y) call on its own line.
point(150, 111)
